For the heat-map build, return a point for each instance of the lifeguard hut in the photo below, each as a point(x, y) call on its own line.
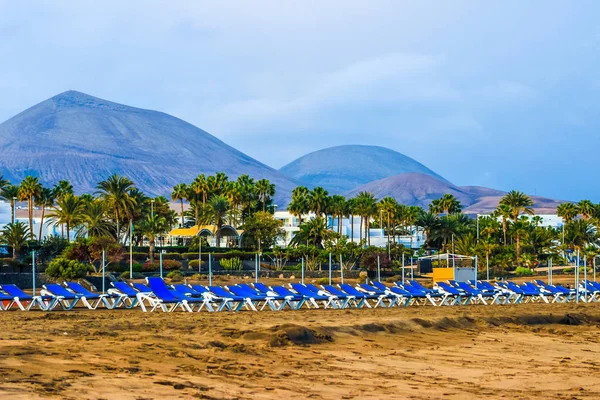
point(448, 266)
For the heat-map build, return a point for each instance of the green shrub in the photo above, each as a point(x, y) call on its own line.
point(170, 256)
point(175, 276)
point(61, 268)
point(136, 275)
point(168, 265)
point(198, 277)
point(567, 270)
point(193, 264)
point(297, 267)
point(231, 264)
point(322, 281)
point(523, 271)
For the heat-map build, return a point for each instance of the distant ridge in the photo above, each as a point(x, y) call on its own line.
point(420, 189)
point(84, 139)
point(342, 168)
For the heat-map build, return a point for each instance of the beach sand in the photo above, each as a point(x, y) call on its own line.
point(519, 351)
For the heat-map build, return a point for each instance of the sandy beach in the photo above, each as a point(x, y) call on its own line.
point(523, 351)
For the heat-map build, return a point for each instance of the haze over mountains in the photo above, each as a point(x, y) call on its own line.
point(84, 139)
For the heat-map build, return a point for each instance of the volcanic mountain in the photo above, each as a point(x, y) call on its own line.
point(85, 139)
point(343, 168)
point(420, 189)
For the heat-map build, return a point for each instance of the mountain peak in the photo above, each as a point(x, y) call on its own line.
point(342, 168)
point(75, 99)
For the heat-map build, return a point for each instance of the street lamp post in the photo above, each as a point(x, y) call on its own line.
point(14, 216)
point(152, 208)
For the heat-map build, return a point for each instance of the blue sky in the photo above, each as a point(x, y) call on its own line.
point(504, 94)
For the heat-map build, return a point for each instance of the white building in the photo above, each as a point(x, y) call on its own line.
point(350, 228)
point(22, 216)
point(551, 220)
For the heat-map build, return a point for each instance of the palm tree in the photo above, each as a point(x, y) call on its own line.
point(265, 190)
point(519, 203)
point(234, 195)
point(318, 200)
point(366, 206)
point(28, 190)
point(520, 229)
point(9, 193)
point(44, 199)
point(488, 245)
point(447, 204)
point(312, 232)
point(567, 211)
point(69, 210)
point(586, 208)
point(430, 223)
point(116, 192)
point(247, 192)
point(15, 235)
point(579, 234)
point(503, 211)
point(94, 221)
point(179, 193)
point(337, 207)
point(62, 188)
point(219, 206)
point(3, 182)
point(151, 227)
point(388, 206)
point(299, 204)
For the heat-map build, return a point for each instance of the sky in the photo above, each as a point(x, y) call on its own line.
point(504, 94)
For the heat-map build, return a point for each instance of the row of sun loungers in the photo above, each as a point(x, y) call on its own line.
point(155, 294)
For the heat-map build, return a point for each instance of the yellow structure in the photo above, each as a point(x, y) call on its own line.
point(442, 274)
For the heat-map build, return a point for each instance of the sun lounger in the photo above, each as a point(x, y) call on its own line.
point(129, 297)
point(313, 297)
point(25, 301)
point(394, 298)
point(6, 302)
point(236, 303)
point(93, 300)
point(365, 296)
point(65, 298)
point(280, 300)
point(344, 299)
point(169, 300)
point(260, 300)
point(296, 300)
point(460, 297)
point(220, 302)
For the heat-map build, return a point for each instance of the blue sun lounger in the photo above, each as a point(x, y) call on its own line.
point(280, 300)
point(254, 297)
point(459, 296)
point(5, 298)
point(235, 303)
point(423, 296)
point(129, 296)
point(162, 296)
point(221, 303)
point(65, 298)
point(344, 299)
point(296, 300)
point(312, 297)
point(25, 301)
point(560, 295)
point(93, 300)
point(394, 298)
point(364, 296)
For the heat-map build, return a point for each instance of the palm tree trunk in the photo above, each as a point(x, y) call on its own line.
point(181, 200)
point(12, 211)
point(518, 250)
point(504, 230)
point(30, 209)
point(68, 235)
point(361, 229)
point(152, 250)
point(42, 221)
point(352, 226)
